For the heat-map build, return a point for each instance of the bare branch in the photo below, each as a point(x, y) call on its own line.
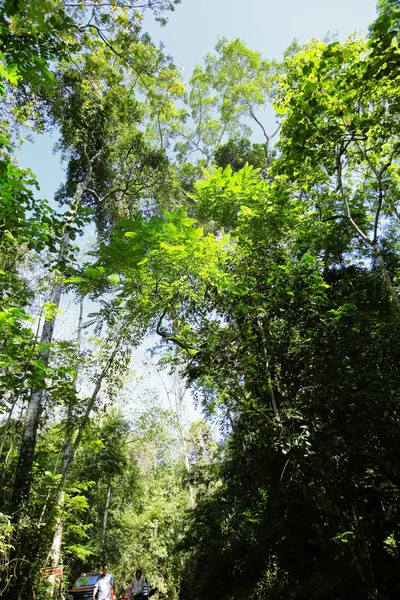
point(346, 202)
point(260, 124)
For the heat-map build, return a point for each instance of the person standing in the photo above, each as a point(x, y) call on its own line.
point(104, 588)
point(136, 587)
point(145, 589)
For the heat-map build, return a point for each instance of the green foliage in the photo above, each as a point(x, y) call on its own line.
point(236, 153)
point(82, 100)
point(150, 528)
point(29, 41)
point(224, 96)
point(339, 140)
point(275, 295)
point(300, 362)
point(6, 529)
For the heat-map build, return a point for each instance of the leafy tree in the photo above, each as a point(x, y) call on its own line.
point(256, 329)
point(275, 297)
point(88, 106)
point(224, 98)
point(82, 100)
point(236, 153)
point(339, 140)
point(276, 367)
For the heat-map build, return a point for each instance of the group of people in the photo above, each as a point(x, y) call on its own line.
point(104, 589)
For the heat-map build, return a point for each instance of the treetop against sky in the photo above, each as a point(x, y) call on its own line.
point(192, 32)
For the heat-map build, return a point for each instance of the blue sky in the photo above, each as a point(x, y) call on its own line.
point(268, 26)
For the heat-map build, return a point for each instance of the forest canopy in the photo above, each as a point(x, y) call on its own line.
point(262, 267)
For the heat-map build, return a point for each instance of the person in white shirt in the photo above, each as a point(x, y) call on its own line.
point(136, 586)
point(104, 588)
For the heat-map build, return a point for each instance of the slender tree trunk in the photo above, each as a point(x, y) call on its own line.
point(373, 243)
point(7, 425)
point(5, 432)
point(70, 418)
point(23, 476)
point(187, 466)
point(106, 511)
point(267, 368)
point(393, 295)
point(18, 391)
point(71, 448)
point(34, 410)
point(55, 551)
point(179, 408)
point(55, 557)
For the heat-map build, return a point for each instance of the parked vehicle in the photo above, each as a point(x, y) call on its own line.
point(83, 587)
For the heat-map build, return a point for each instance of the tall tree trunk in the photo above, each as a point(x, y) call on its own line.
point(71, 448)
point(70, 416)
point(23, 476)
point(178, 406)
point(55, 551)
point(25, 461)
point(188, 471)
point(106, 511)
point(393, 294)
point(18, 392)
point(55, 556)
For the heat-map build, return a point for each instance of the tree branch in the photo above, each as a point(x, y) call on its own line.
point(170, 338)
point(346, 202)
